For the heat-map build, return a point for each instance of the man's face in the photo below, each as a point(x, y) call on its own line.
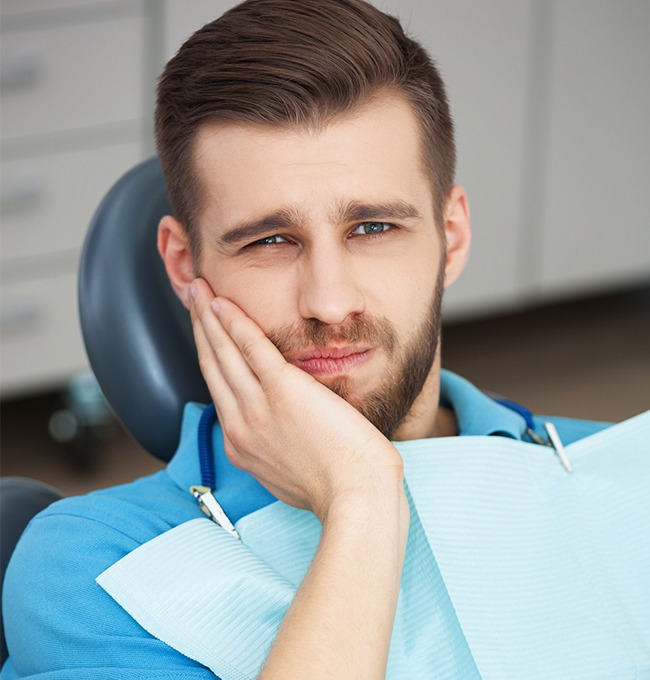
point(327, 240)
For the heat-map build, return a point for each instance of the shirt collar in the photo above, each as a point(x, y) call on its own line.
point(476, 412)
point(184, 467)
point(239, 493)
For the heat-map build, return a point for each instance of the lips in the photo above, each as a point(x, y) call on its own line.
point(331, 360)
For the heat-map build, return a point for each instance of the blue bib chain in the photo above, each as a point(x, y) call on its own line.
point(553, 440)
point(204, 493)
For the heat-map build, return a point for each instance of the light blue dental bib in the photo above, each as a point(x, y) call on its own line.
point(514, 568)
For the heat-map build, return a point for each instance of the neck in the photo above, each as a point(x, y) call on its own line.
point(427, 418)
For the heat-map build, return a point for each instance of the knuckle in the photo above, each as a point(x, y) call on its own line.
point(249, 349)
point(254, 416)
point(233, 455)
point(244, 431)
point(235, 438)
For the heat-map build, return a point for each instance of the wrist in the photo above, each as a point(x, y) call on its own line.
point(368, 510)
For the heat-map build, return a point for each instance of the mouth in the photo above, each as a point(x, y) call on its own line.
point(331, 360)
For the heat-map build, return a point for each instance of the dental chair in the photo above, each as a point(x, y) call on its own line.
point(137, 334)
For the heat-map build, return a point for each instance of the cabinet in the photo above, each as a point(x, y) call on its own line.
point(73, 105)
point(595, 227)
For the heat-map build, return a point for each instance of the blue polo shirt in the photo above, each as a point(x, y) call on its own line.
point(60, 624)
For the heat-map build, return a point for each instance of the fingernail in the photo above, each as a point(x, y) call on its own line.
point(191, 293)
point(216, 306)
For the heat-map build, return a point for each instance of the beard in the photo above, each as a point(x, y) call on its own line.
point(409, 364)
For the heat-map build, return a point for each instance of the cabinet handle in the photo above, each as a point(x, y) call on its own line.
point(17, 317)
point(21, 71)
point(21, 194)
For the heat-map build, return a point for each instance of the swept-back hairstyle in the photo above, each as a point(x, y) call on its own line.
point(294, 63)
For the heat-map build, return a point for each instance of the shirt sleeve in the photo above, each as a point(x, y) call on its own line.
point(59, 623)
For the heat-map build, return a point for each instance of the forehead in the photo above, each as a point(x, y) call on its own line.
point(372, 154)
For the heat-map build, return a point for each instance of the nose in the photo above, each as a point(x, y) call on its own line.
point(329, 289)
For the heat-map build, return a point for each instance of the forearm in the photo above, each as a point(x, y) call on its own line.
point(341, 620)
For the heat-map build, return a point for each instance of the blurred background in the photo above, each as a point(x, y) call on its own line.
point(551, 100)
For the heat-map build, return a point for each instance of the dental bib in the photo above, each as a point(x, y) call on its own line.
point(514, 568)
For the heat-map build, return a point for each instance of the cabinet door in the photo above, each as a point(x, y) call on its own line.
point(40, 333)
point(71, 79)
point(46, 202)
point(12, 8)
point(596, 227)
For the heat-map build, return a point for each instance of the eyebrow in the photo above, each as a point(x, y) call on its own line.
point(356, 211)
point(252, 229)
point(292, 219)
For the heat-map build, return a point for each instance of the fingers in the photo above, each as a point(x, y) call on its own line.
point(229, 377)
point(222, 395)
point(246, 339)
point(260, 354)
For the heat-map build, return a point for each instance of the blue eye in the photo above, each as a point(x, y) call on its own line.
point(371, 228)
point(269, 241)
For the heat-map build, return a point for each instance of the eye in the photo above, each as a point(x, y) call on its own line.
point(273, 240)
point(371, 228)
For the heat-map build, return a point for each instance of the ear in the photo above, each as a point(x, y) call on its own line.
point(174, 248)
point(458, 233)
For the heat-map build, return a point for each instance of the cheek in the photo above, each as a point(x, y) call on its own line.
point(405, 291)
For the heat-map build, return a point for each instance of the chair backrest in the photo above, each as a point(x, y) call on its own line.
point(137, 333)
point(20, 500)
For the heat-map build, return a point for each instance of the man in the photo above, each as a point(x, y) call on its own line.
point(309, 156)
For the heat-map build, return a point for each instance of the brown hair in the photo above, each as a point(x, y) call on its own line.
point(294, 62)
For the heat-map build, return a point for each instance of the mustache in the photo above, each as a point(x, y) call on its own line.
point(361, 329)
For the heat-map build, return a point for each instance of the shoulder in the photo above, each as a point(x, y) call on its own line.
point(51, 600)
point(130, 514)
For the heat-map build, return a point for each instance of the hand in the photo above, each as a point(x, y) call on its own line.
point(312, 449)
point(304, 443)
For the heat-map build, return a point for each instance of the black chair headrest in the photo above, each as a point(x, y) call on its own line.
point(137, 333)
